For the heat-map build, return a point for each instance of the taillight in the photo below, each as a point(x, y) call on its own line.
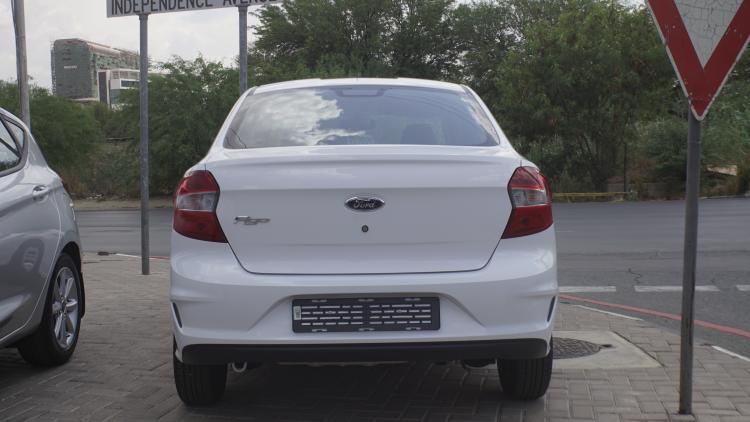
point(532, 203)
point(195, 207)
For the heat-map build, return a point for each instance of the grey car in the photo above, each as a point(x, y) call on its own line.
point(41, 284)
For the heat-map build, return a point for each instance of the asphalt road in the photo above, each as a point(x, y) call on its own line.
point(635, 246)
point(120, 231)
point(627, 250)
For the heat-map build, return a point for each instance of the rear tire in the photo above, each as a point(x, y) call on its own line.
point(62, 306)
point(525, 379)
point(199, 385)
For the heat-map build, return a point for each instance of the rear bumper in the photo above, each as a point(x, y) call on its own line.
point(222, 312)
point(443, 351)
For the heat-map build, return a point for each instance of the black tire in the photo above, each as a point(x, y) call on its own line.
point(41, 348)
point(199, 385)
point(525, 379)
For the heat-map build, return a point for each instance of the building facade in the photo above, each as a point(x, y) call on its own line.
point(76, 65)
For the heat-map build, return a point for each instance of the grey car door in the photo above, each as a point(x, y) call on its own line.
point(29, 228)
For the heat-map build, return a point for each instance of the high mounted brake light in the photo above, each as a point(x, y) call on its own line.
point(195, 207)
point(532, 203)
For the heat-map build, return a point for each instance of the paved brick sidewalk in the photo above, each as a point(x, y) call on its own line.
point(122, 371)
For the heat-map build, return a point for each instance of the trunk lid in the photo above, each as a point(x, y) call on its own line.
point(284, 210)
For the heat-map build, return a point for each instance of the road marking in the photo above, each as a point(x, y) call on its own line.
point(731, 353)
point(608, 313)
point(645, 289)
point(675, 317)
point(588, 289)
point(138, 256)
point(656, 289)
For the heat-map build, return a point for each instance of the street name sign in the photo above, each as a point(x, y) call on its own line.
point(116, 8)
point(704, 40)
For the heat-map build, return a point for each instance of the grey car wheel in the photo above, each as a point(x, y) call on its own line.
point(64, 310)
point(55, 339)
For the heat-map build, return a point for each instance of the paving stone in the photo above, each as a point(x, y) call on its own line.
point(122, 372)
point(720, 403)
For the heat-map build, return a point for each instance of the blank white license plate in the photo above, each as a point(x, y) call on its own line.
point(408, 313)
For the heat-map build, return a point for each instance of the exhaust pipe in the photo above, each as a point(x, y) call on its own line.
point(238, 367)
point(476, 363)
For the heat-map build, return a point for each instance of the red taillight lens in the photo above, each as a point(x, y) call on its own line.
point(195, 207)
point(532, 203)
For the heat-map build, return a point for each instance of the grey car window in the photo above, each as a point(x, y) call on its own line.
point(360, 115)
point(10, 155)
point(18, 134)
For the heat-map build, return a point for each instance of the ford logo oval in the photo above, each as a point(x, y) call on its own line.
point(363, 203)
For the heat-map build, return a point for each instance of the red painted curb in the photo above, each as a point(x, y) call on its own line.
point(675, 317)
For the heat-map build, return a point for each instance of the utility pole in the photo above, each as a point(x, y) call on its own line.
point(22, 74)
point(243, 49)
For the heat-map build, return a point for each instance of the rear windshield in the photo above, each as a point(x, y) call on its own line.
point(360, 115)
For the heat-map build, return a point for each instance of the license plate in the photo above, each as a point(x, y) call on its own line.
point(412, 313)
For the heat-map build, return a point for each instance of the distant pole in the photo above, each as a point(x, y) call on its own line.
point(243, 49)
point(22, 74)
point(143, 85)
point(692, 185)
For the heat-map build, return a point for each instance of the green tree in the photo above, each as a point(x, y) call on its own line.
point(318, 37)
point(662, 142)
point(422, 42)
point(335, 38)
point(726, 137)
point(67, 132)
point(188, 102)
point(584, 78)
point(484, 35)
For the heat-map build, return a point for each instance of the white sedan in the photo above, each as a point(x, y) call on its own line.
point(362, 220)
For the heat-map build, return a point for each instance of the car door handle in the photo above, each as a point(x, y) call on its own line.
point(39, 192)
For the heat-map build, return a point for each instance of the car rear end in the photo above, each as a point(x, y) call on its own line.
point(362, 221)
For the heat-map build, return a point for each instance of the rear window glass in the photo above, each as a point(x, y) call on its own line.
point(360, 115)
point(10, 155)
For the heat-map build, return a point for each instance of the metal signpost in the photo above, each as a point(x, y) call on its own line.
point(143, 85)
point(142, 9)
point(704, 41)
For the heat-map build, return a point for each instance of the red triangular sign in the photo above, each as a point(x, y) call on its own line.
point(704, 40)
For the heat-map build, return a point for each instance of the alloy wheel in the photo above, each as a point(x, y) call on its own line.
point(65, 308)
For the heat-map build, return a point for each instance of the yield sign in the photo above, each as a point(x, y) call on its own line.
point(704, 40)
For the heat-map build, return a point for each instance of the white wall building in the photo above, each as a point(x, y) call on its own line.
point(113, 81)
